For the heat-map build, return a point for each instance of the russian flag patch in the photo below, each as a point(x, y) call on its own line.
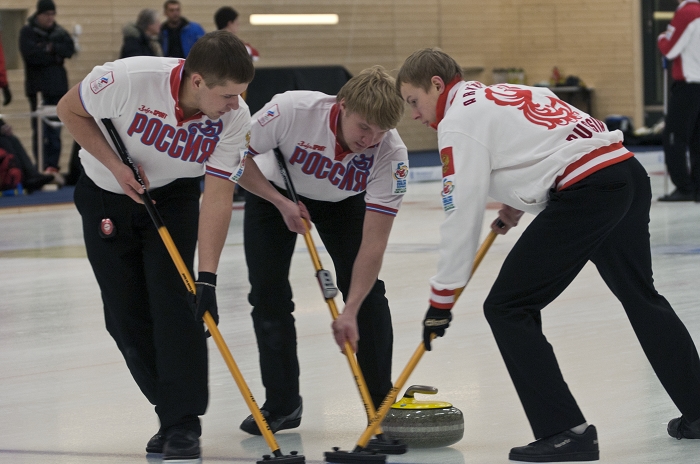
point(269, 115)
point(102, 82)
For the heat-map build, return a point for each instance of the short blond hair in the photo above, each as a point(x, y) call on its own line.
point(372, 94)
point(422, 65)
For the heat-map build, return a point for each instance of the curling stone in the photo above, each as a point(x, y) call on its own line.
point(423, 424)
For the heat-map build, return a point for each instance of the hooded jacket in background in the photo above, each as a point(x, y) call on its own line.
point(137, 43)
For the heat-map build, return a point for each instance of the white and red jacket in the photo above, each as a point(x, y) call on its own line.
point(252, 51)
point(141, 96)
point(681, 42)
point(303, 125)
point(512, 143)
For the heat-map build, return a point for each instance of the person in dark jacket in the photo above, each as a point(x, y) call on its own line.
point(177, 34)
point(44, 46)
point(141, 38)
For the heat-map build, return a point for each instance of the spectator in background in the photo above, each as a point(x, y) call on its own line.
point(177, 34)
point(681, 43)
point(32, 179)
point(141, 38)
point(226, 18)
point(44, 46)
point(4, 85)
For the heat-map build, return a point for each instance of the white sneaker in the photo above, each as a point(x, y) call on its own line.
point(58, 178)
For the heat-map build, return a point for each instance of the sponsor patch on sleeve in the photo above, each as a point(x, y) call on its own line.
point(448, 164)
point(270, 114)
point(102, 82)
point(448, 188)
point(241, 167)
point(399, 177)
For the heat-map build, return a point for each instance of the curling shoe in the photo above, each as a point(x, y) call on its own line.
point(275, 421)
point(155, 444)
point(680, 427)
point(563, 447)
point(181, 445)
point(678, 195)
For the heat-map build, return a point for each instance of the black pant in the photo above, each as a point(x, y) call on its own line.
point(269, 246)
point(145, 301)
point(74, 166)
point(681, 135)
point(603, 218)
point(51, 136)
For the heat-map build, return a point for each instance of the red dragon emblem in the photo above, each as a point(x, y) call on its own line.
point(556, 113)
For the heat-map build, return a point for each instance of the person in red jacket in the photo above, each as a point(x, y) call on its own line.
point(681, 43)
point(4, 85)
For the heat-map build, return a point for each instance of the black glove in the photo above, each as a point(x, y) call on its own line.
point(436, 322)
point(6, 95)
point(205, 299)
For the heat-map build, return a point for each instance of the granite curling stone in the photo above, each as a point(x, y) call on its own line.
point(423, 424)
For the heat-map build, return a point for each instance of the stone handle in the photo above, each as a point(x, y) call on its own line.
point(413, 389)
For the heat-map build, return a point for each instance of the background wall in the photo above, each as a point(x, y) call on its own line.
point(596, 40)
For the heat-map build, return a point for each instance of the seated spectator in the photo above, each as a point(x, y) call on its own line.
point(141, 38)
point(32, 179)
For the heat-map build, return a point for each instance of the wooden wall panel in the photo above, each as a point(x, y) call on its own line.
point(597, 40)
point(415, 26)
point(591, 39)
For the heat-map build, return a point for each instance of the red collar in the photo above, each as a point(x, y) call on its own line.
point(442, 101)
point(340, 153)
point(175, 80)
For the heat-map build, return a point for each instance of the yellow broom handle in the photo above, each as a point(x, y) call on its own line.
point(349, 354)
point(220, 343)
point(401, 381)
